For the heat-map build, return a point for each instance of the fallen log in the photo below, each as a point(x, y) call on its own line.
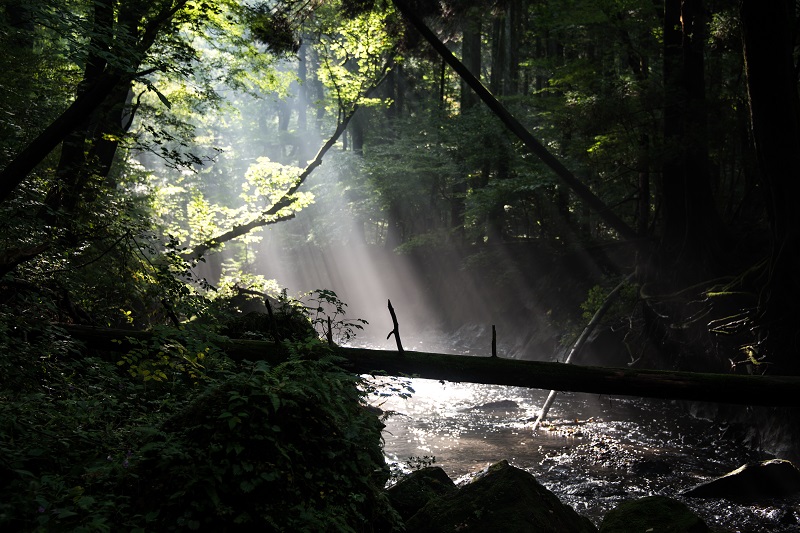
point(721, 388)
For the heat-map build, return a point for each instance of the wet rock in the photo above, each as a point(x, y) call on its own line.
point(498, 405)
point(753, 482)
point(411, 493)
point(504, 498)
point(651, 467)
point(654, 513)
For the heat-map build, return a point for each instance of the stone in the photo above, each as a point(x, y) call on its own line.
point(650, 467)
point(503, 498)
point(653, 513)
point(499, 405)
point(776, 478)
point(413, 491)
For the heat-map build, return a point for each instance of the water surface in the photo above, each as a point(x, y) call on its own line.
point(592, 451)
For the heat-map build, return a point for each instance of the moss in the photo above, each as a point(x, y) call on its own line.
point(415, 490)
point(287, 448)
point(504, 499)
point(654, 513)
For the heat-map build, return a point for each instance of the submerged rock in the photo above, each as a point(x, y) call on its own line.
point(750, 483)
point(498, 405)
point(505, 499)
point(650, 467)
point(411, 493)
point(654, 513)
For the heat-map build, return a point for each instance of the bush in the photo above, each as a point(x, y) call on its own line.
point(87, 445)
point(291, 448)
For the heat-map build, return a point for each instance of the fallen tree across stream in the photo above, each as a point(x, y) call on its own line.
point(721, 388)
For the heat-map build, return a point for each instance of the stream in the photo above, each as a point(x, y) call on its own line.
point(593, 452)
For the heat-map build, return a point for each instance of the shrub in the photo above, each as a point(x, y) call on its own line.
point(290, 448)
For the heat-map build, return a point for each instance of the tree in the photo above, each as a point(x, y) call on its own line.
point(530, 142)
point(692, 230)
point(769, 42)
point(116, 51)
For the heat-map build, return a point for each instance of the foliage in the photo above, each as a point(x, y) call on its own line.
point(412, 464)
point(175, 437)
point(289, 447)
point(355, 55)
point(69, 431)
point(169, 358)
point(621, 309)
point(327, 315)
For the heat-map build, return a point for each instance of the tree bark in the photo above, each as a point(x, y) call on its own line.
point(767, 31)
point(721, 388)
point(691, 228)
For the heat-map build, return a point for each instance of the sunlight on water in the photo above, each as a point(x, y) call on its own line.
point(593, 451)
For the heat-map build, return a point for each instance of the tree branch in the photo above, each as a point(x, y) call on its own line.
point(396, 330)
point(285, 200)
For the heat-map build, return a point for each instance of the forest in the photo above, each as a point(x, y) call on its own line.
point(206, 203)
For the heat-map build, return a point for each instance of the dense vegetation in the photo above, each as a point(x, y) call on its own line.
point(145, 146)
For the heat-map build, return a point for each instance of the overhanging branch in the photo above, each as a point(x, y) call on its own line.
point(265, 218)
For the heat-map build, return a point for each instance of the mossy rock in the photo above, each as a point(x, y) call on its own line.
point(654, 513)
point(288, 448)
point(412, 492)
point(259, 326)
point(504, 499)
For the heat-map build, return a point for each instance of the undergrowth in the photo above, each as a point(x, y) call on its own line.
point(174, 436)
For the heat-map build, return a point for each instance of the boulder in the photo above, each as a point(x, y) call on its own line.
point(753, 482)
point(412, 492)
point(654, 513)
point(503, 498)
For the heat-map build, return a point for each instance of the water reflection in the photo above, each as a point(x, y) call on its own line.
point(592, 451)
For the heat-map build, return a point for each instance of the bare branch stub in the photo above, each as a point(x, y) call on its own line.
point(396, 330)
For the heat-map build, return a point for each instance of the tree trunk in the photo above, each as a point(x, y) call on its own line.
point(722, 388)
point(141, 23)
point(471, 56)
point(691, 231)
point(33, 154)
point(775, 121)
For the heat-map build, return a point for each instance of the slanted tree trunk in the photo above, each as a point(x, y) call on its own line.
point(140, 23)
point(269, 215)
point(767, 31)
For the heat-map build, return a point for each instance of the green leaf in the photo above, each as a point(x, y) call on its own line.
point(161, 97)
